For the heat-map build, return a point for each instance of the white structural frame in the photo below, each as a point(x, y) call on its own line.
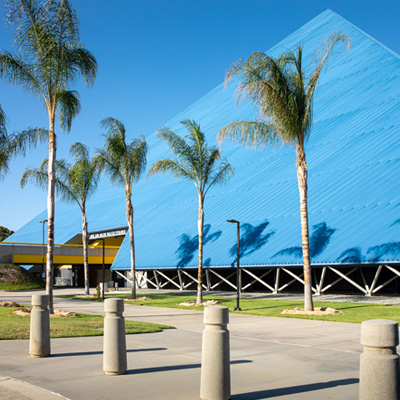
point(283, 278)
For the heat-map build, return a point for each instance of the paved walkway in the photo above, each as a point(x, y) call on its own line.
point(274, 358)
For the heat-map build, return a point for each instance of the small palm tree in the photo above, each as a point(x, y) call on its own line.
point(284, 94)
point(124, 163)
point(49, 61)
point(75, 182)
point(195, 161)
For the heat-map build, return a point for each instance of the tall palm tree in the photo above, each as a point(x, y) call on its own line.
point(49, 61)
point(283, 92)
point(124, 163)
point(195, 161)
point(75, 182)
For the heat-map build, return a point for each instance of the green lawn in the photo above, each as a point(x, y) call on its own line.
point(351, 312)
point(17, 327)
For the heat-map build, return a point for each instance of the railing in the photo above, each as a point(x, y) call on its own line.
point(57, 245)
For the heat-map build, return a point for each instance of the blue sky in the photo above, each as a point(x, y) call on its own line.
point(157, 57)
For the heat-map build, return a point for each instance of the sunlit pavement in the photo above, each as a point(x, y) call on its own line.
point(270, 358)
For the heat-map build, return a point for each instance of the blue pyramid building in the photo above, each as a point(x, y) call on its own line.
point(353, 156)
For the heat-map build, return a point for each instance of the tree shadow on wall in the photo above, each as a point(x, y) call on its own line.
point(189, 245)
point(319, 240)
point(251, 240)
point(352, 255)
point(374, 253)
point(381, 251)
point(378, 252)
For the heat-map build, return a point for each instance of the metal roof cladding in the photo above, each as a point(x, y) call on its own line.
point(353, 156)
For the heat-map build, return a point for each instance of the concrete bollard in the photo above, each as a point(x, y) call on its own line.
point(379, 363)
point(114, 355)
point(215, 363)
point(39, 341)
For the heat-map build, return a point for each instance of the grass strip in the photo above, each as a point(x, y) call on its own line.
point(351, 312)
point(17, 327)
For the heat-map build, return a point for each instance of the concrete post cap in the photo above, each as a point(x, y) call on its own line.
point(114, 305)
point(216, 315)
point(40, 300)
point(379, 333)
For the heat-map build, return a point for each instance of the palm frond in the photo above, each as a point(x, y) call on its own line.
point(80, 152)
point(174, 141)
point(69, 107)
point(114, 127)
point(320, 58)
point(166, 165)
point(82, 61)
point(221, 176)
point(104, 163)
point(16, 71)
point(3, 123)
point(20, 142)
point(136, 158)
point(37, 176)
point(250, 133)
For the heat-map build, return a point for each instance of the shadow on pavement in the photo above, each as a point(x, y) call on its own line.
point(175, 367)
point(92, 353)
point(271, 393)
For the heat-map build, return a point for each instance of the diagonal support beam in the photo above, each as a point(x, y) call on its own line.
point(192, 278)
point(168, 279)
point(321, 281)
point(336, 281)
point(295, 277)
point(257, 279)
point(345, 277)
point(123, 276)
point(148, 280)
point(223, 279)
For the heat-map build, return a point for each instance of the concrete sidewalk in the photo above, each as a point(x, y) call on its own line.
point(271, 358)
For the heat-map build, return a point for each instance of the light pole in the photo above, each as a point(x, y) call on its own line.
point(233, 221)
point(43, 271)
point(103, 269)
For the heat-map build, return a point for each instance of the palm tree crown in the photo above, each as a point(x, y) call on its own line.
point(284, 95)
point(123, 162)
point(195, 161)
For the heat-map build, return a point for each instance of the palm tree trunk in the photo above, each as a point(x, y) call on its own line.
point(129, 217)
point(51, 211)
point(200, 227)
point(85, 243)
point(305, 240)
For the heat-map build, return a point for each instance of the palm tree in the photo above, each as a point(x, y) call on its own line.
point(195, 161)
point(49, 61)
point(75, 182)
point(124, 163)
point(284, 94)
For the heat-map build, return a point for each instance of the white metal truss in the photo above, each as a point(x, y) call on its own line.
point(367, 279)
point(257, 279)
